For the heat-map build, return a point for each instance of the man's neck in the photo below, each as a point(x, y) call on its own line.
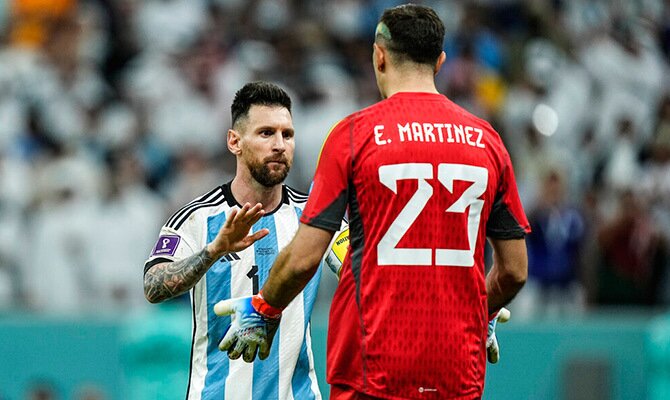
point(409, 82)
point(247, 190)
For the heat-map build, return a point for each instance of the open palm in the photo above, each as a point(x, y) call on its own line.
point(234, 234)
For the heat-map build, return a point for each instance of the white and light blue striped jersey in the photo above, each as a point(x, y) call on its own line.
point(288, 373)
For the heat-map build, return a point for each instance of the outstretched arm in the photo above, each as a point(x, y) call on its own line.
point(167, 280)
point(296, 265)
point(170, 279)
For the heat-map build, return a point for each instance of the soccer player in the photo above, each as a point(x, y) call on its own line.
point(205, 248)
point(425, 183)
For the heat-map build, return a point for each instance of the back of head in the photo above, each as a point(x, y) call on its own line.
point(412, 33)
point(257, 93)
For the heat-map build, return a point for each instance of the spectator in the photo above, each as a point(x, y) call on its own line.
point(554, 250)
point(633, 256)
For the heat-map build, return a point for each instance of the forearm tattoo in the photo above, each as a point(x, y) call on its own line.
point(165, 281)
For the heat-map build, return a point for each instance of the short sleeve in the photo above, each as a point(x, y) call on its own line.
point(328, 195)
point(172, 245)
point(508, 219)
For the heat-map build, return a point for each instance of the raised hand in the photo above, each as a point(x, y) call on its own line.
point(234, 234)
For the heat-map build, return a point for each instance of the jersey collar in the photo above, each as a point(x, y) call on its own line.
point(232, 202)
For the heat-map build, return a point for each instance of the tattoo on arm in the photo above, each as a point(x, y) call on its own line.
point(167, 280)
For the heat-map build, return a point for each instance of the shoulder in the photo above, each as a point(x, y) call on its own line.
point(492, 134)
point(295, 197)
point(205, 204)
point(357, 119)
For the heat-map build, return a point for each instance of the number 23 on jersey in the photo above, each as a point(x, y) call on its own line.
point(387, 251)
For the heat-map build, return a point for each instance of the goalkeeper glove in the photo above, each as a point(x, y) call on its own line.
point(253, 326)
point(492, 348)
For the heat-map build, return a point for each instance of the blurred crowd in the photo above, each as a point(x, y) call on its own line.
point(113, 114)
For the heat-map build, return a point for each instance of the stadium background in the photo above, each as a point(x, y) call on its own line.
point(113, 113)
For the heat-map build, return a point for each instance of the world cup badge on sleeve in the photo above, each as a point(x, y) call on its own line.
point(166, 245)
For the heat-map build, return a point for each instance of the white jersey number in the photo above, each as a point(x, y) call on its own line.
point(387, 251)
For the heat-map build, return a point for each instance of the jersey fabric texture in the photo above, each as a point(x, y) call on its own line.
point(424, 183)
point(288, 373)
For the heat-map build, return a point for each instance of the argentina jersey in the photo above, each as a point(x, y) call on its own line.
point(288, 373)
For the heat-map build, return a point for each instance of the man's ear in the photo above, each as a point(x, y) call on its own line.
point(440, 61)
point(379, 56)
point(233, 141)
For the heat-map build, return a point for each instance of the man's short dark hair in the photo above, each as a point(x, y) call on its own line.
point(412, 32)
point(260, 94)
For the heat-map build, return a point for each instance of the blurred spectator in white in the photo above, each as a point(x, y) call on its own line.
point(552, 97)
point(334, 91)
point(59, 271)
point(126, 219)
point(168, 26)
point(621, 169)
point(567, 94)
point(629, 74)
point(344, 18)
point(195, 173)
point(15, 193)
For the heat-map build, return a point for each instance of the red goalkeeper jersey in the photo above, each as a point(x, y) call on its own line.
point(424, 183)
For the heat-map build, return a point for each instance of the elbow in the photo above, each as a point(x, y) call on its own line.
point(151, 299)
point(150, 293)
point(516, 278)
point(149, 296)
point(519, 280)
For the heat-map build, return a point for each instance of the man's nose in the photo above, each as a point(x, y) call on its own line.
point(279, 142)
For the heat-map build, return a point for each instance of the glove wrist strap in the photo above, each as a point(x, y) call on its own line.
point(264, 308)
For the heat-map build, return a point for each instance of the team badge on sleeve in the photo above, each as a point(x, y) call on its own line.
point(166, 245)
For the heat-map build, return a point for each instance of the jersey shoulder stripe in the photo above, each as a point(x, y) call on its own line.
point(296, 196)
point(219, 200)
point(213, 198)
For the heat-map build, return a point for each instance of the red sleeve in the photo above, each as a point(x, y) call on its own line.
point(507, 219)
point(328, 195)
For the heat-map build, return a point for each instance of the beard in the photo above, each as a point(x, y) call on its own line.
point(267, 176)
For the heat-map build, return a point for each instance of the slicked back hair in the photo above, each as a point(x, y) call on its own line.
point(412, 33)
point(258, 93)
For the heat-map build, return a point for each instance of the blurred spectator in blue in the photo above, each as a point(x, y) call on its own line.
point(474, 37)
point(554, 248)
